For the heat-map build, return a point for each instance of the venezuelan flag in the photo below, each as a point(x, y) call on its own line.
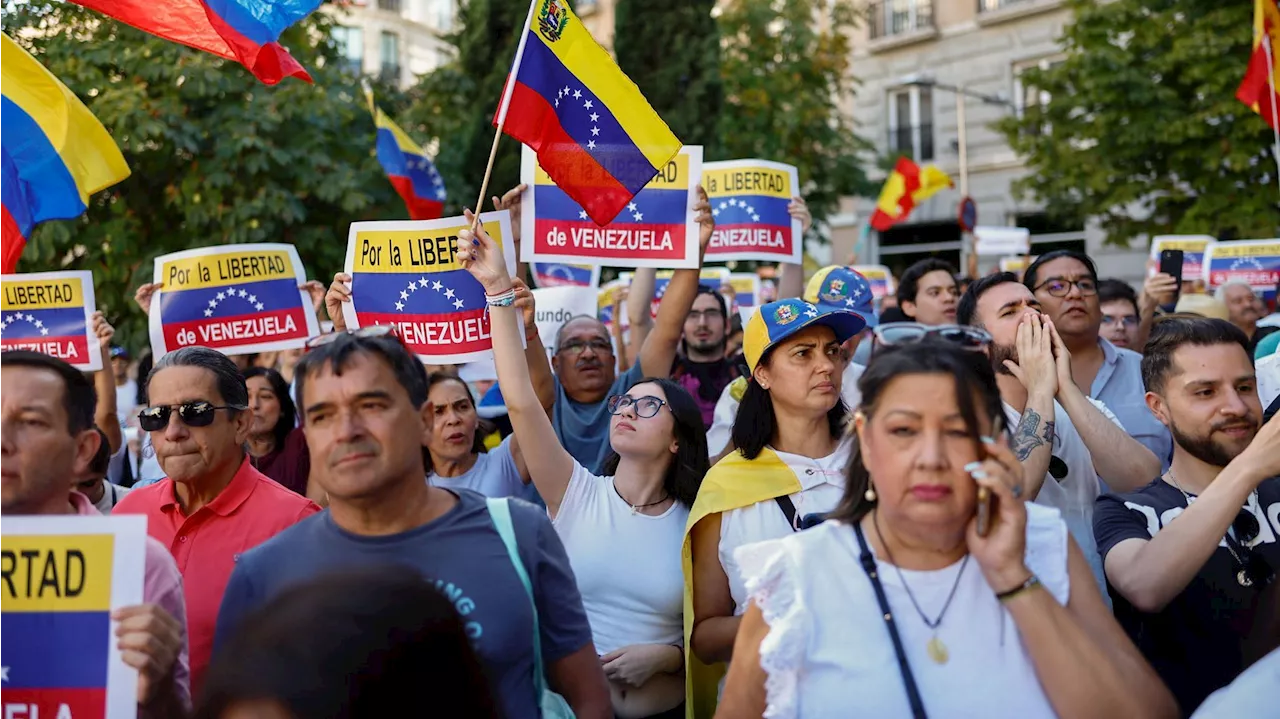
point(246, 31)
point(55, 152)
point(407, 166)
point(560, 274)
point(595, 134)
point(1258, 90)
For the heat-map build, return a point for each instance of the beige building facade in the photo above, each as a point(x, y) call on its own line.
point(395, 39)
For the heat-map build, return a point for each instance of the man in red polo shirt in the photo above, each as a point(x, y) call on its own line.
point(212, 505)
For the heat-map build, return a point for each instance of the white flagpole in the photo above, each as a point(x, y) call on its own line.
point(503, 107)
point(1271, 80)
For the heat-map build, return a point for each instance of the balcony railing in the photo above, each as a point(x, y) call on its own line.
point(898, 17)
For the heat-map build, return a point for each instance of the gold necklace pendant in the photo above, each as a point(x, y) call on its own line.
point(938, 651)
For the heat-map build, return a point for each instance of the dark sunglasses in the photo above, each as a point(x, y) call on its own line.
point(366, 332)
point(192, 414)
point(964, 337)
point(645, 407)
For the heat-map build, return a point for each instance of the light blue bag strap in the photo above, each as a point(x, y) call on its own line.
point(500, 512)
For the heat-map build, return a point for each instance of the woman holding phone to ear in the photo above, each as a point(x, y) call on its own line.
point(945, 622)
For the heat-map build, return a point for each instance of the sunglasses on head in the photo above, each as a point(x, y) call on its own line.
point(370, 331)
point(896, 334)
point(192, 414)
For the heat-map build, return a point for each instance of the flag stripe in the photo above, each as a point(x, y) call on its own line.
point(380, 292)
point(456, 333)
point(81, 703)
point(190, 305)
point(772, 211)
point(62, 322)
point(45, 181)
point(402, 140)
point(655, 206)
point(419, 209)
point(55, 649)
point(559, 274)
point(397, 162)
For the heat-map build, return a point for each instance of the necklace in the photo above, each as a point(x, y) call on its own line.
point(635, 508)
point(1242, 575)
point(937, 650)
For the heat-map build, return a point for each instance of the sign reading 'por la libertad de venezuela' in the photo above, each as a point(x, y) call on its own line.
point(51, 312)
point(236, 299)
point(749, 201)
point(1256, 262)
point(656, 229)
point(406, 274)
point(62, 577)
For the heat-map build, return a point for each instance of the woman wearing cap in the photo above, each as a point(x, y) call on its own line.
point(911, 599)
point(790, 459)
point(622, 532)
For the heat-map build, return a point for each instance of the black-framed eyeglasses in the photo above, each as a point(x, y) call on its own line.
point(974, 339)
point(192, 414)
point(369, 331)
point(577, 347)
point(1058, 287)
point(645, 407)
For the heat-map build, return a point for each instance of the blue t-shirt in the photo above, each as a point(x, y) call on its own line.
point(463, 555)
point(583, 429)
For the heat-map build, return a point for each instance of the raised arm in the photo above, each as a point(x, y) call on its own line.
point(512, 202)
point(791, 276)
point(104, 383)
point(1037, 371)
point(339, 292)
point(549, 465)
point(1157, 290)
point(639, 310)
point(659, 349)
point(544, 384)
point(628, 350)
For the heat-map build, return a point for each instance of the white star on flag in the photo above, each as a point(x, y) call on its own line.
point(723, 204)
point(44, 331)
point(557, 102)
point(595, 131)
point(566, 89)
point(755, 218)
point(422, 281)
point(440, 194)
point(404, 295)
point(591, 144)
point(587, 104)
point(457, 304)
point(221, 296)
point(594, 117)
point(399, 306)
point(448, 293)
point(582, 214)
point(4, 674)
point(639, 216)
point(39, 324)
point(715, 213)
point(631, 206)
point(577, 94)
point(751, 209)
point(733, 202)
point(436, 286)
point(259, 306)
point(411, 287)
point(231, 291)
point(242, 293)
point(253, 298)
point(213, 303)
point(208, 313)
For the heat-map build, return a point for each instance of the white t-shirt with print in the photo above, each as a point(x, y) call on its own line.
point(494, 474)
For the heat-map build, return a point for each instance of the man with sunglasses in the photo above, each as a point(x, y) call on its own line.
point(212, 505)
point(1065, 283)
point(1189, 556)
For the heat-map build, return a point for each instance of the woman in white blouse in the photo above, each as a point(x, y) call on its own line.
point(910, 601)
point(622, 532)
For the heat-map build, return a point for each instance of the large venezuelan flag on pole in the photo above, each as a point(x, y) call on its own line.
point(55, 152)
point(907, 186)
point(1258, 90)
point(246, 31)
point(407, 166)
point(594, 133)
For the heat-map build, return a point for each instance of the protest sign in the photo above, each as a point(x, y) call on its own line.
point(63, 575)
point(746, 288)
point(749, 201)
point(656, 229)
point(236, 299)
point(604, 302)
point(562, 274)
point(51, 312)
point(1016, 263)
point(1256, 262)
point(1192, 246)
point(879, 277)
point(713, 277)
point(1001, 240)
point(557, 305)
point(406, 274)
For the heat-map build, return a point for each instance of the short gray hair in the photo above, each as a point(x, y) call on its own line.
point(230, 383)
point(1220, 294)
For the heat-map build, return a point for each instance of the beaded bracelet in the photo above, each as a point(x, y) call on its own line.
point(502, 299)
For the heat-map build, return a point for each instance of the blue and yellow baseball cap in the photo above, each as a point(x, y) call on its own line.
point(839, 288)
point(779, 320)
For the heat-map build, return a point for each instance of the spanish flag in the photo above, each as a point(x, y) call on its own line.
point(906, 187)
point(407, 166)
point(56, 153)
point(1258, 90)
point(594, 133)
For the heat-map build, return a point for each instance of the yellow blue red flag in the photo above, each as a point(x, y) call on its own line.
point(1258, 90)
point(407, 166)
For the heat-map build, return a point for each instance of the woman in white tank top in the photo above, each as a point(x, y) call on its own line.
point(622, 532)
point(910, 600)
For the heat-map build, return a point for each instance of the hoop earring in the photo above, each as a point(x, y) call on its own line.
point(870, 494)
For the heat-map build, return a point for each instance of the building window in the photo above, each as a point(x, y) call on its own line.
point(350, 41)
point(898, 17)
point(390, 54)
point(442, 15)
point(911, 123)
point(1026, 97)
point(391, 5)
point(993, 5)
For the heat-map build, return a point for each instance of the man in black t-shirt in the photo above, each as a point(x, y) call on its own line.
point(703, 368)
point(1188, 556)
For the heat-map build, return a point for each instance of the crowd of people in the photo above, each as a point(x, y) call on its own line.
point(1045, 494)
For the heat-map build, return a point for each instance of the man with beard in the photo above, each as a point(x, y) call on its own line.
point(1188, 556)
point(1065, 440)
point(1244, 309)
point(1066, 284)
point(705, 369)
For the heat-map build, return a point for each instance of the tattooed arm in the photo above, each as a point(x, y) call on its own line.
point(1033, 442)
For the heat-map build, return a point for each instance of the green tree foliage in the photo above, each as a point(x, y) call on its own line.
point(671, 50)
point(216, 156)
point(1143, 131)
point(456, 102)
point(785, 67)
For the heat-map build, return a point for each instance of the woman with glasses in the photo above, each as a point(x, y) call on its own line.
point(622, 531)
point(789, 463)
point(933, 589)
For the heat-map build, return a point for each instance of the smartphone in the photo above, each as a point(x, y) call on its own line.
point(1171, 264)
point(985, 498)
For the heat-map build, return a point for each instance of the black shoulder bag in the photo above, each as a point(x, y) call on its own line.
point(869, 565)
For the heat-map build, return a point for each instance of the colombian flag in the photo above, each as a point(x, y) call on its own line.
point(407, 166)
point(1258, 90)
point(55, 152)
point(594, 133)
point(242, 30)
point(906, 187)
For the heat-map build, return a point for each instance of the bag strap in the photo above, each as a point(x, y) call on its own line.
point(789, 509)
point(869, 566)
point(500, 512)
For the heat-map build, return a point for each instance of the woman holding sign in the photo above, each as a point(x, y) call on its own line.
point(622, 532)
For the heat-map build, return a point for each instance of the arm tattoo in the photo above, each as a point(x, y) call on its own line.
point(1031, 433)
